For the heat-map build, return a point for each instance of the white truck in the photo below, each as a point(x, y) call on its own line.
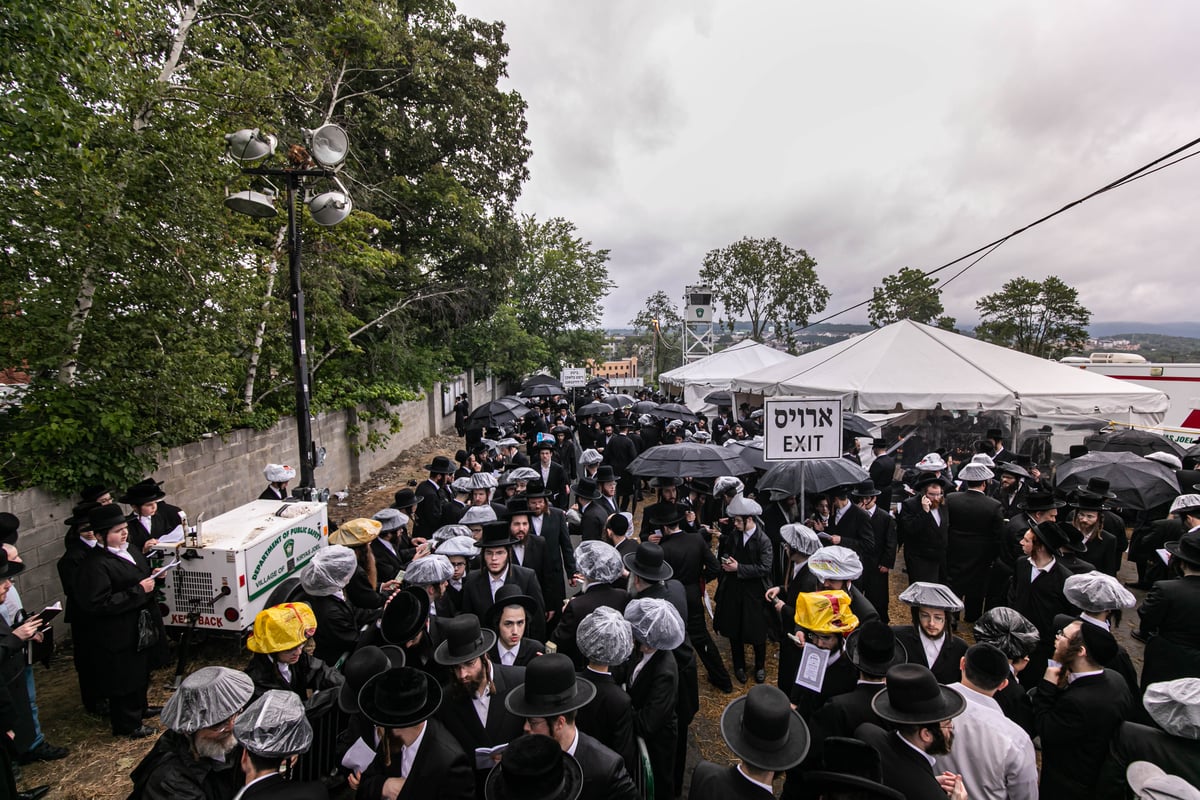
point(1180, 382)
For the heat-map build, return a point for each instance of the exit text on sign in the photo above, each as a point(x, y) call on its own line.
point(802, 428)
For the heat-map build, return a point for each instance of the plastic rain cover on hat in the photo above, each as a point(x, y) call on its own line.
point(461, 485)
point(703, 437)
point(523, 474)
point(1175, 706)
point(835, 563)
point(739, 506)
point(1170, 459)
point(725, 484)
point(478, 515)
point(590, 457)
point(800, 538)
point(428, 570)
point(274, 725)
point(356, 532)
point(1008, 630)
point(329, 571)
point(974, 473)
point(390, 518)
point(655, 622)
point(983, 458)
point(1185, 501)
point(448, 532)
point(482, 480)
point(277, 630)
point(207, 697)
point(458, 546)
point(1149, 781)
point(1094, 592)
point(279, 473)
point(605, 637)
point(932, 462)
point(645, 419)
point(931, 595)
point(599, 562)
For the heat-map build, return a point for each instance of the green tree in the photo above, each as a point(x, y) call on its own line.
point(1040, 318)
point(768, 283)
point(909, 294)
point(658, 326)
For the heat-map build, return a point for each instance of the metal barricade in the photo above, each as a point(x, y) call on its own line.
point(644, 779)
point(320, 763)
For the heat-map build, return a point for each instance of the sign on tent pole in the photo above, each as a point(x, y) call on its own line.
point(798, 428)
point(573, 377)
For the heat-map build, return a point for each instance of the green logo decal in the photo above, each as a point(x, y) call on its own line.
point(289, 547)
point(700, 313)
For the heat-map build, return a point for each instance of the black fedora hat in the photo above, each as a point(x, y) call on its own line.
point(1012, 468)
point(762, 729)
point(9, 525)
point(882, 443)
point(914, 697)
point(106, 517)
point(1051, 535)
point(874, 649)
point(536, 488)
point(865, 489)
point(534, 767)
point(79, 516)
point(1088, 501)
point(586, 489)
point(544, 444)
point(1186, 548)
point(550, 688)
point(671, 515)
point(663, 481)
point(1100, 486)
point(605, 474)
point(698, 486)
point(93, 493)
point(463, 640)
point(1072, 536)
point(853, 766)
point(441, 465)
point(399, 698)
point(510, 594)
point(647, 562)
point(366, 663)
point(994, 433)
point(496, 534)
point(517, 506)
point(1040, 501)
point(406, 497)
point(404, 615)
point(146, 491)
point(9, 568)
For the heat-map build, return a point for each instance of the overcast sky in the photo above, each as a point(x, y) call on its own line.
point(874, 135)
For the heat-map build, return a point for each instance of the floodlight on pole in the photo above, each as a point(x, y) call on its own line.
point(330, 208)
point(328, 145)
point(260, 205)
point(250, 144)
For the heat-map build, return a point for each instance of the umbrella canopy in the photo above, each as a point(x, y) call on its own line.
point(750, 450)
point(619, 400)
point(540, 378)
point(674, 411)
point(689, 460)
point(543, 390)
point(497, 412)
point(721, 397)
point(596, 383)
point(1131, 440)
point(1194, 450)
point(856, 425)
point(644, 406)
point(594, 410)
point(812, 476)
point(1138, 483)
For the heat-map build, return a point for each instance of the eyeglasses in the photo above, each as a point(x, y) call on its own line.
point(220, 726)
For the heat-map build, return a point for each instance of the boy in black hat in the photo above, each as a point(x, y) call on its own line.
point(480, 587)
point(1037, 592)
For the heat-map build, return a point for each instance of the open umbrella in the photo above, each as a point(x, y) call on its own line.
point(856, 425)
point(812, 476)
point(689, 460)
point(1193, 451)
point(750, 450)
point(594, 410)
point(720, 397)
point(674, 411)
point(495, 413)
point(539, 378)
point(644, 406)
point(1138, 483)
point(1131, 440)
point(543, 390)
point(619, 400)
point(595, 383)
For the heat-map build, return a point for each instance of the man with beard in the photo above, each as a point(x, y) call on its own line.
point(192, 758)
point(668, 497)
point(746, 561)
point(1077, 710)
point(1011, 490)
point(923, 713)
point(1101, 546)
point(923, 529)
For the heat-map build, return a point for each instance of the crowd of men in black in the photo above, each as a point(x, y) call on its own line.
point(505, 630)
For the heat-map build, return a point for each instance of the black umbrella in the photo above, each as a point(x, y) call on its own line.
point(856, 425)
point(644, 406)
point(721, 397)
point(674, 411)
point(689, 460)
point(619, 400)
point(1131, 440)
point(750, 450)
point(543, 390)
point(497, 412)
point(595, 383)
point(539, 378)
point(812, 476)
point(1138, 483)
point(594, 410)
point(1194, 450)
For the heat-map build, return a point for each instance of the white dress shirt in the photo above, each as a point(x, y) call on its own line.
point(122, 552)
point(483, 700)
point(507, 656)
point(408, 753)
point(495, 582)
point(993, 754)
point(1037, 571)
point(932, 647)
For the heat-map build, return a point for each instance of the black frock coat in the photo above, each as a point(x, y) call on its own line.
point(904, 769)
point(653, 695)
point(609, 718)
point(945, 668)
point(110, 601)
point(457, 713)
point(713, 782)
point(1171, 611)
point(1077, 725)
point(740, 606)
point(440, 771)
point(975, 537)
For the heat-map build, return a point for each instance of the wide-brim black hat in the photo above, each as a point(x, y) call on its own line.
point(510, 594)
point(517, 507)
point(586, 489)
point(9, 568)
point(9, 525)
point(1186, 548)
point(496, 534)
point(605, 474)
point(551, 688)
point(405, 498)
point(464, 639)
point(105, 517)
point(698, 486)
point(867, 648)
point(647, 562)
point(851, 764)
point(91, 494)
point(404, 615)
point(440, 465)
point(536, 488)
point(663, 481)
point(668, 516)
point(865, 489)
point(1050, 535)
point(532, 770)
point(1088, 501)
point(1072, 537)
point(142, 493)
point(399, 698)
point(762, 729)
point(1040, 501)
point(914, 697)
point(364, 664)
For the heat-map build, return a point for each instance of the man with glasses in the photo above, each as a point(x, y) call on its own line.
point(923, 531)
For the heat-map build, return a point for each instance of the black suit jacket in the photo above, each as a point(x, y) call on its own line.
point(1040, 601)
point(429, 510)
point(1014, 702)
point(713, 782)
point(276, 787)
point(883, 525)
point(904, 769)
point(918, 532)
point(1171, 611)
point(856, 531)
point(477, 593)
point(975, 537)
point(594, 516)
point(609, 718)
point(945, 668)
point(883, 473)
point(337, 627)
point(387, 563)
point(457, 713)
point(558, 559)
point(578, 607)
point(442, 770)
point(604, 773)
point(1077, 725)
point(527, 650)
point(654, 695)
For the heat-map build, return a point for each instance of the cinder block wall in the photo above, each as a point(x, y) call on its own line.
point(218, 473)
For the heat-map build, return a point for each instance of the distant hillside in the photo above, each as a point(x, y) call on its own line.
point(1119, 330)
point(1157, 347)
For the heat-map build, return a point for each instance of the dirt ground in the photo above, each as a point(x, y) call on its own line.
point(99, 765)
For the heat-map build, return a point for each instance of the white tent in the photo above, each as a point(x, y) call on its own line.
point(714, 372)
point(907, 366)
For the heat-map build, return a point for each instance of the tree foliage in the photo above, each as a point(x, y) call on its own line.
point(768, 283)
point(909, 294)
point(1040, 318)
point(658, 329)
